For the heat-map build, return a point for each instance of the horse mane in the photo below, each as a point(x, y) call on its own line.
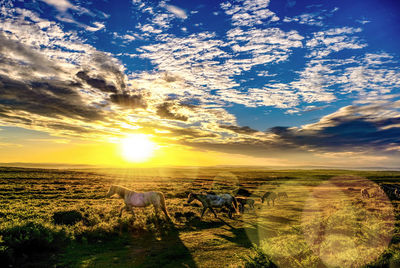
point(120, 190)
point(121, 187)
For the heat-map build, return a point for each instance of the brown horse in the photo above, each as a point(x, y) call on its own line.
point(134, 199)
point(244, 201)
point(269, 196)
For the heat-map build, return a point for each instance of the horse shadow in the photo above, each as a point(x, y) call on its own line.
point(247, 236)
point(165, 249)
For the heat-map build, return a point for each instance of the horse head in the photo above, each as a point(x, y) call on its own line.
point(111, 191)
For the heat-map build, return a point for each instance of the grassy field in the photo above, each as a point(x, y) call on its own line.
point(61, 218)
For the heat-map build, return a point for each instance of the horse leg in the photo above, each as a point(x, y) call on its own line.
point(202, 213)
point(213, 211)
point(156, 210)
point(120, 211)
point(230, 211)
point(133, 212)
point(164, 209)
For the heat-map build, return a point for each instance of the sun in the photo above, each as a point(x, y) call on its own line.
point(137, 148)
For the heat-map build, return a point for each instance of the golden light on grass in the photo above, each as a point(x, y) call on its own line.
point(325, 223)
point(137, 148)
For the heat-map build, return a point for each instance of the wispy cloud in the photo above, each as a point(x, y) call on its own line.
point(61, 5)
point(179, 12)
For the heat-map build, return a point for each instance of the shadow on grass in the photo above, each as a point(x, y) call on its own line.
point(162, 248)
point(166, 250)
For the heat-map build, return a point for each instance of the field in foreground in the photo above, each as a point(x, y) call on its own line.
point(61, 218)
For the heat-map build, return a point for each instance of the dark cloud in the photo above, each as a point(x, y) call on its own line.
point(108, 65)
point(128, 101)
point(31, 58)
point(98, 83)
point(348, 130)
point(184, 133)
point(164, 111)
point(240, 130)
point(46, 98)
point(75, 129)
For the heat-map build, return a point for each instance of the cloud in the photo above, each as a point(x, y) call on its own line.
point(179, 12)
point(240, 130)
point(128, 101)
point(164, 111)
point(324, 43)
point(97, 26)
point(313, 19)
point(63, 7)
point(249, 12)
point(46, 98)
point(351, 128)
point(60, 5)
point(96, 82)
point(307, 19)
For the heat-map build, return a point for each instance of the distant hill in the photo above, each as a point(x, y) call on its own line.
point(46, 165)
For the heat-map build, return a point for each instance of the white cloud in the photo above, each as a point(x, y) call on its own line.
point(60, 5)
point(249, 12)
point(324, 43)
point(97, 26)
point(314, 19)
point(179, 12)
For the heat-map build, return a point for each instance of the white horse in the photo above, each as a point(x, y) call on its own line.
point(210, 201)
point(134, 199)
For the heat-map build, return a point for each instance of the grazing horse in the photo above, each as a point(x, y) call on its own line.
point(210, 201)
point(282, 195)
point(135, 199)
point(364, 193)
point(243, 201)
point(269, 196)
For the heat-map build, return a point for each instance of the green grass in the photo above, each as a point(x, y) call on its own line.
point(62, 218)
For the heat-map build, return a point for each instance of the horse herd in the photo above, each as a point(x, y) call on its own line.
point(209, 200)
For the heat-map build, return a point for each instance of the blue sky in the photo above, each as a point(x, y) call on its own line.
point(267, 76)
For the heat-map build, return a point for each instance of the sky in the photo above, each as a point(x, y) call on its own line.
point(246, 82)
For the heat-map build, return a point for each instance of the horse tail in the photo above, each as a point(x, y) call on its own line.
point(235, 204)
point(163, 206)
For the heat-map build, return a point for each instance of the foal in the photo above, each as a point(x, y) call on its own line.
point(245, 201)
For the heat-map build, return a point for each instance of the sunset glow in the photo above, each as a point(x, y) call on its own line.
point(276, 83)
point(137, 148)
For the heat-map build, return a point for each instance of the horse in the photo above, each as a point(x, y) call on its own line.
point(210, 201)
point(282, 195)
point(269, 196)
point(243, 201)
point(364, 193)
point(136, 199)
